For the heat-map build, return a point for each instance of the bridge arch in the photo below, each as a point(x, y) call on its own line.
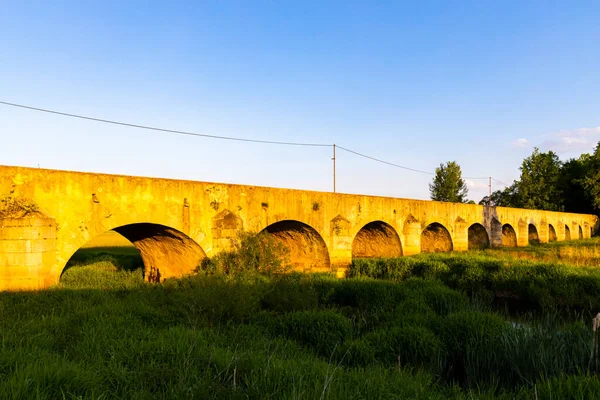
point(478, 237)
point(165, 251)
point(533, 234)
point(376, 239)
point(580, 232)
point(436, 238)
point(509, 236)
point(567, 232)
point(307, 249)
point(551, 233)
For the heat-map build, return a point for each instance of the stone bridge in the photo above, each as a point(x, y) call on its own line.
point(47, 215)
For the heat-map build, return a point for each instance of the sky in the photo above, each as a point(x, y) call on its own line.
point(413, 83)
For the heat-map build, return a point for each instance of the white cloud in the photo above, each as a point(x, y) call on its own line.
point(574, 141)
point(475, 185)
point(520, 143)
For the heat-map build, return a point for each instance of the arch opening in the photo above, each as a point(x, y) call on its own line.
point(567, 233)
point(551, 233)
point(478, 237)
point(376, 239)
point(580, 232)
point(436, 238)
point(307, 249)
point(509, 236)
point(161, 251)
point(533, 235)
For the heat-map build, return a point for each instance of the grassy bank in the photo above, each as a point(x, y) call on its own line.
point(288, 337)
point(536, 284)
point(416, 327)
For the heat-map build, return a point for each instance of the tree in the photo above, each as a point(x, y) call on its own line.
point(576, 194)
point(538, 187)
point(509, 197)
point(448, 184)
point(591, 182)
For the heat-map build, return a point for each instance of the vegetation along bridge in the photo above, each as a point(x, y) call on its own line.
point(47, 215)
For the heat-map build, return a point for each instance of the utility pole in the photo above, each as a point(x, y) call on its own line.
point(490, 189)
point(333, 168)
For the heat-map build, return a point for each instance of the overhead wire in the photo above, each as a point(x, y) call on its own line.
point(232, 138)
point(107, 121)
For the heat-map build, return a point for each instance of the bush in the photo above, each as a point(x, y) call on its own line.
point(323, 331)
point(101, 275)
point(406, 345)
point(472, 340)
point(250, 253)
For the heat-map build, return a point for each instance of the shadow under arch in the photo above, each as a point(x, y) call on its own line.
point(567, 232)
point(580, 232)
point(376, 239)
point(533, 234)
point(478, 237)
point(509, 236)
point(551, 233)
point(165, 251)
point(307, 249)
point(435, 238)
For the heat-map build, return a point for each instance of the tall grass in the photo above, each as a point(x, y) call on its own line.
point(537, 284)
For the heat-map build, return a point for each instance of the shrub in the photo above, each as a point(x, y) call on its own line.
point(472, 340)
point(250, 253)
point(323, 331)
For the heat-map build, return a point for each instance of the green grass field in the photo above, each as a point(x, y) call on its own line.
point(424, 327)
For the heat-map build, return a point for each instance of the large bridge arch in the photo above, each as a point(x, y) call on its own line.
point(478, 237)
point(509, 236)
point(533, 235)
point(567, 232)
point(308, 251)
point(376, 239)
point(166, 252)
point(436, 238)
point(551, 233)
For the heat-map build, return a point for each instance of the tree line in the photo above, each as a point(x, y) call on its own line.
point(545, 183)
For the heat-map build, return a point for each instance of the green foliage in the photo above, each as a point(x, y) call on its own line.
point(538, 185)
point(102, 274)
point(303, 336)
point(323, 331)
point(480, 274)
point(250, 253)
point(448, 184)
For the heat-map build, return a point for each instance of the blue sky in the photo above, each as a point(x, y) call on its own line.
point(414, 83)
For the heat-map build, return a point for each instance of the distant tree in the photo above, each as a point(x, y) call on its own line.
point(591, 181)
point(448, 184)
point(538, 186)
point(574, 185)
point(508, 197)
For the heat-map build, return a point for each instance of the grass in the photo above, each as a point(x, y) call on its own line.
point(426, 328)
point(489, 274)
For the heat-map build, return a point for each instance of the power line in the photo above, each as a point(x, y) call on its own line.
point(152, 128)
point(384, 162)
point(502, 183)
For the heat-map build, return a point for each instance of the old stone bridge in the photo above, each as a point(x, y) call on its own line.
point(47, 215)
